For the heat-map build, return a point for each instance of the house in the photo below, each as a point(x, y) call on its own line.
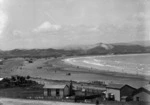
point(88, 93)
point(60, 91)
point(119, 92)
point(142, 94)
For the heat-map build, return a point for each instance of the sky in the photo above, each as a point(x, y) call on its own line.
point(28, 24)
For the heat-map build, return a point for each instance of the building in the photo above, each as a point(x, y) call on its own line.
point(142, 94)
point(119, 92)
point(88, 90)
point(60, 91)
point(89, 93)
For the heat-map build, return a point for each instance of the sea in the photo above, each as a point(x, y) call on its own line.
point(138, 64)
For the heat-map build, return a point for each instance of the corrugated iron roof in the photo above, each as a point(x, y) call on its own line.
point(147, 87)
point(51, 86)
point(90, 87)
point(115, 86)
point(141, 90)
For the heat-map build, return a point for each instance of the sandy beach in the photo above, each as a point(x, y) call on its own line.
point(57, 69)
point(105, 63)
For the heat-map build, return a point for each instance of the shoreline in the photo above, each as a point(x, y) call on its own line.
point(71, 61)
point(56, 69)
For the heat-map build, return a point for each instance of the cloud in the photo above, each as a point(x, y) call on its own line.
point(17, 33)
point(3, 18)
point(46, 27)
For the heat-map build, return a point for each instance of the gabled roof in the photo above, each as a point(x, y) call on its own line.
point(51, 86)
point(91, 87)
point(142, 89)
point(118, 86)
point(147, 87)
point(115, 86)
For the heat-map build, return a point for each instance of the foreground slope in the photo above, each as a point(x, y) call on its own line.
point(7, 101)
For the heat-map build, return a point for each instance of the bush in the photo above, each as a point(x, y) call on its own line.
point(18, 81)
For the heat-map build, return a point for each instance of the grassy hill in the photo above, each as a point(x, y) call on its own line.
point(96, 49)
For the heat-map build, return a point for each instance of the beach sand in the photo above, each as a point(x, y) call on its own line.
point(57, 69)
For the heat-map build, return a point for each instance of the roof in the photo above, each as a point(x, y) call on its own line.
point(147, 87)
point(115, 86)
point(142, 89)
point(119, 86)
point(51, 86)
point(91, 87)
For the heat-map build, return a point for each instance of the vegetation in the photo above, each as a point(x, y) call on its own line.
point(20, 87)
point(97, 50)
point(18, 81)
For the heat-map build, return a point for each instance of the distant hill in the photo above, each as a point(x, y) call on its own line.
point(95, 49)
point(141, 43)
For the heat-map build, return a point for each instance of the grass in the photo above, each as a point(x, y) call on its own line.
point(7, 101)
point(21, 92)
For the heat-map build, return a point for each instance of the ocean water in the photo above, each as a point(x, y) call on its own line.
point(138, 64)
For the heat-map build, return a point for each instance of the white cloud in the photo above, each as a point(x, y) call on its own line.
point(1, 1)
point(17, 33)
point(3, 18)
point(46, 27)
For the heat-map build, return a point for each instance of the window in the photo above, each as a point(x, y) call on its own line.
point(49, 92)
point(57, 92)
point(137, 99)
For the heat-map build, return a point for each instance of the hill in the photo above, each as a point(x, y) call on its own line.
point(95, 49)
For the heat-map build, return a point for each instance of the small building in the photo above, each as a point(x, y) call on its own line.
point(88, 90)
point(119, 92)
point(60, 91)
point(142, 94)
point(89, 93)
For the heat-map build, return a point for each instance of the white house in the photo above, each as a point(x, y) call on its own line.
point(142, 94)
point(60, 91)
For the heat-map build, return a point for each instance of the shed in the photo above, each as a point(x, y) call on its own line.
point(51, 90)
point(89, 90)
point(119, 91)
point(142, 94)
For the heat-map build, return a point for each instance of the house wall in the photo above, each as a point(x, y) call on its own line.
point(61, 93)
point(126, 91)
point(66, 91)
point(115, 92)
point(45, 92)
point(53, 92)
point(143, 96)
